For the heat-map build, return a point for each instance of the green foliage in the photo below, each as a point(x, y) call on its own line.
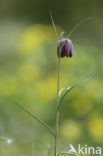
point(28, 72)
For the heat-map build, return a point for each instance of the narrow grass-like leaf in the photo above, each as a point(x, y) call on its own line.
point(63, 89)
point(77, 84)
point(33, 153)
point(54, 26)
point(34, 116)
point(67, 153)
point(75, 27)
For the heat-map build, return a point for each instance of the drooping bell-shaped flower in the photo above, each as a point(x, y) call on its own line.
point(65, 48)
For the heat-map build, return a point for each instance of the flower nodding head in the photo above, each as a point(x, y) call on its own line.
point(65, 48)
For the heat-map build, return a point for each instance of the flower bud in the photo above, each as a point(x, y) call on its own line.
point(65, 48)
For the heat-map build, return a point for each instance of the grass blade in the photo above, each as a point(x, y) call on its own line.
point(63, 89)
point(75, 85)
point(34, 116)
point(55, 30)
point(33, 153)
point(75, 27)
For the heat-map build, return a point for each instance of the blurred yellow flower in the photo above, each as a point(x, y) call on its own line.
point(35, 36)
point(95, 128)
point(28, 72)
point(82, 104)
point(47, 89)
point(70, 130)
point(94, 88)
point(8, 85)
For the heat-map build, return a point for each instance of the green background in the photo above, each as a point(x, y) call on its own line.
point(28, 73)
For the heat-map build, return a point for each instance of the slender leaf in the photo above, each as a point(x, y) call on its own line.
point(33, 153)
point(34, 116)
point(75, 27)
point(77, 84)
point(54, 26)
point(63, 89)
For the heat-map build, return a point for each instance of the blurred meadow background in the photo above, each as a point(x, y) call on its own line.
point(28, 73)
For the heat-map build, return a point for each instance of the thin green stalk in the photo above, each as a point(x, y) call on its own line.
point(33, 153)
point(55, 146)
point(58, 100)
point(57, 123)
point(58, 80)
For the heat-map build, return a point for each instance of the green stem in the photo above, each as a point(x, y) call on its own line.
point(55, 146)
point(58, 80)
point(58, 101)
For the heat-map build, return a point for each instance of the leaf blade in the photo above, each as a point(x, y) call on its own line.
point(34, 116)
point(75, 85)
point(77, 25)
point(54, 26)
point(60, 92)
